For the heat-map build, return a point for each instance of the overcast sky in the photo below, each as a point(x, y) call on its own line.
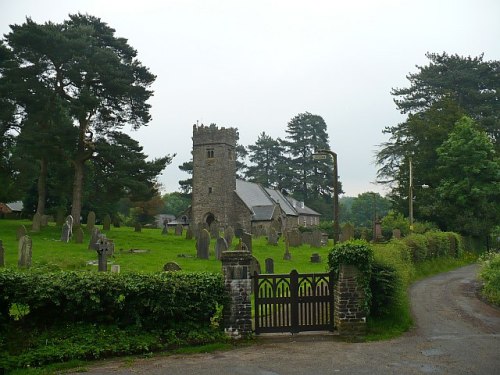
point(256, 64)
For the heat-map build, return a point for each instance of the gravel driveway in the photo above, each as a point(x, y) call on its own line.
point(455, 333)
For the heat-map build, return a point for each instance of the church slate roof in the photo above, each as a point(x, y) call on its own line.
point(262, 201)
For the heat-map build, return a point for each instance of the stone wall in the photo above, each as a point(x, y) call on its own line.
point(238, 315)
point(350, 316)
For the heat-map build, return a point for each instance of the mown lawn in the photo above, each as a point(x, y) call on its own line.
point(51, 253)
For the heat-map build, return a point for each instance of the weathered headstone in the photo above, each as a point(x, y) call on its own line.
point(315, 258)
point(347, 232)
point(269, 265)
point(247, 240)
point(37, 222)
point(396, 233)
point(137, 227)
point(203, 244)
point(65, 235)
point(102, 250)
point(272, 237)
point(94, 237)
point(164, 231)
point(306, 238)
point(90, 221)
point(317, 237)
point(115, 268)
point(229, 235)
point(44, 220)
point(79, 235)
point(189, 232)
point(69, 220)
point(378, 237)
point(106, 223)
point(254, 266)
point(2, 255)
point(21, 231)
point(179, 229)
point(171, 266)
point(238, 231)
point(220, 246)
point(287, 255)
point(294, 238)
point(24, 252)
point(214, 229)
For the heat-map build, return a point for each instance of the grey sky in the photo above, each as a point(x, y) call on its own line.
point(256, 64)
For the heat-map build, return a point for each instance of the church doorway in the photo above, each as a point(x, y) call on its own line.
point(210, 218)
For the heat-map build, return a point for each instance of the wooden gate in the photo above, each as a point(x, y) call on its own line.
point(293, 303)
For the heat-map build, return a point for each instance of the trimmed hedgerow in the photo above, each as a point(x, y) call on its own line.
point(159, 301)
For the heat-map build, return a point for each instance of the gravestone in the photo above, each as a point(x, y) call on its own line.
point(60, 216)
point(254, 266)
point(21, 231)
point(220, 246)
point(238, 232)
point(106, 223)
point(378, 232)
point(315, 258)
point(137, 227)
point(44, 221)
point(94, 237)
point(287, 255)
point(294, 238)
point(171, 266)
point(317, 238)
point(69, 220)
point(179, 229)
point(229, 235)
point(115, 268)
point(269, 265)
point(102, 250)
point(272, 237)
point(24, 252)
point(79, 235)
point(396, 233)
point(189, 232)
point(164, 231)
point(247, 240)
point(37, 222)
point(90, 221)
point(65, 235)
point(306, 238)
point(214, 229)
point(2, 255)
point(203, 244)
point(347, 232)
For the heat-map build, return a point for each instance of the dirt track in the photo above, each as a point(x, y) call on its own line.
point(455, 333)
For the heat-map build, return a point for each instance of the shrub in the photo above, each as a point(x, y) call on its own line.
point(418, 246)
point(160, 301)
point(490, 274)
point(357, 253)
point(384, 284)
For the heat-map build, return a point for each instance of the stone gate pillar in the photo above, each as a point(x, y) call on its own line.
point(236, 270)
point(349, 296)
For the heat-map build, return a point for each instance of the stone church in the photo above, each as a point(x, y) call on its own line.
point(218, 196)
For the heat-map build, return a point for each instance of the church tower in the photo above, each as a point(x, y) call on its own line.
point(214, 174)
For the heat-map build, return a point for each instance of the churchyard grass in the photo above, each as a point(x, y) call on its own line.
point(50, 253)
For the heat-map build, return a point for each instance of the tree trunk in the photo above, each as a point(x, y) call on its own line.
point(42, 186)
point(76, 207)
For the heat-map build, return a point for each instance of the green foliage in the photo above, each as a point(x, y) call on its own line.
point(86, 341)
point(160, 301)
point(368, 206)
point(490, 275)
point(439, 94)
point(384, 284)
point(469, 190)
point(395, 220)
point(357, 253)
point(175, 203)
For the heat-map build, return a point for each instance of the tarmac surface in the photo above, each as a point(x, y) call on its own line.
point(454, 333)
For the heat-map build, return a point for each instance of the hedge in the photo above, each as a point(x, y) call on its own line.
point(434, 244)
point(151, 301)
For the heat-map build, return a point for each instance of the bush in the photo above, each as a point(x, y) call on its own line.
point(384, 285)
point(151, 301)
point(357, 253)
point(418, 245)
point(490, 274)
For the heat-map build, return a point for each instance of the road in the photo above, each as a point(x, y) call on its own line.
point(454, 333)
